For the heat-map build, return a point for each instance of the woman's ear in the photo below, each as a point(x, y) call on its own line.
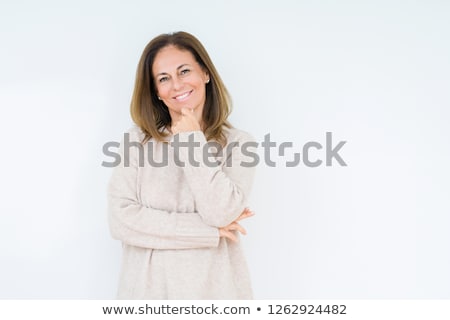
point(206, 75)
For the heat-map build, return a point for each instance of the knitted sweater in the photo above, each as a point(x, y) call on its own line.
point(167, 218)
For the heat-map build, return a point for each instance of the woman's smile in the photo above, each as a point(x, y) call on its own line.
point(184, 96)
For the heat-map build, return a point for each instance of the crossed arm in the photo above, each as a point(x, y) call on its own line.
point(220, 193)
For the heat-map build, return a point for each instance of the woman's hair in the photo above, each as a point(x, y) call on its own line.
point(151, 114)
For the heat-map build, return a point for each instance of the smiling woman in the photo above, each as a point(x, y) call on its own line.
point(181, 86)
point(179, 224)
point(171, 66)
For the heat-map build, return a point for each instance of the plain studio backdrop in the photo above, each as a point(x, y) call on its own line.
point(374, 74)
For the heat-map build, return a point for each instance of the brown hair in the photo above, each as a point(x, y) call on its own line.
point(151, 114)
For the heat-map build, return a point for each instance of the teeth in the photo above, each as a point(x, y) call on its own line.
point(182, 96)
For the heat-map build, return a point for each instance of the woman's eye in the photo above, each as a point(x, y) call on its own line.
point(184, 71)
point(163, 79)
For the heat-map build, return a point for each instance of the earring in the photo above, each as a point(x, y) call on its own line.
point(159, 97)
point(207, 81)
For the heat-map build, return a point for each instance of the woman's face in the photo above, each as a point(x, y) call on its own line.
point(179, 80)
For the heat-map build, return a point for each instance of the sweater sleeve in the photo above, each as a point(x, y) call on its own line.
point(142, 226)
point(221, 192)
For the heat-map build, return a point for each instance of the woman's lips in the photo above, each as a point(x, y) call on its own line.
point(183, 96)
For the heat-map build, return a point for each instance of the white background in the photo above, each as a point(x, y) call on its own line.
point(375, 74)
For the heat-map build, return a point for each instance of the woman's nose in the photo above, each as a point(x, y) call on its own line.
point(177, 83)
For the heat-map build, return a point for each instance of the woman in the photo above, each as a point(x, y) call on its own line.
point(177, 197)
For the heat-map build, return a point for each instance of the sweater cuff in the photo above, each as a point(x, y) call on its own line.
point(191, 229)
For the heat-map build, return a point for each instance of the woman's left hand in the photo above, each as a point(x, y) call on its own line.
point(227, 231)
point(187, 122)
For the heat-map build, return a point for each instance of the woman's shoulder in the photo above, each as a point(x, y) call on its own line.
point(237, 135)
point(135, 133)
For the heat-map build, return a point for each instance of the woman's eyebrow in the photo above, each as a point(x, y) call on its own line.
point(178, 68)
point(183, 65)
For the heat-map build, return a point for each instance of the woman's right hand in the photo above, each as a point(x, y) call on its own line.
point(227, 231)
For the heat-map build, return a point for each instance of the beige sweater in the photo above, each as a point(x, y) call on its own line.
point(168, 217)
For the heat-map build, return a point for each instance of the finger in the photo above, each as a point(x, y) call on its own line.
point(241, 229)
point(245, 215)
point(236, 226)
point(230, 235)
point(249, 212)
